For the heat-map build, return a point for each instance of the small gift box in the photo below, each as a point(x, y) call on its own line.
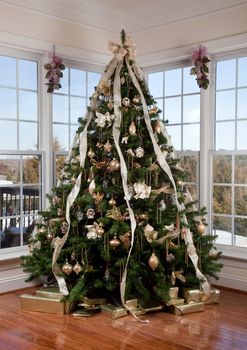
point(113, 310)
point(186, 308)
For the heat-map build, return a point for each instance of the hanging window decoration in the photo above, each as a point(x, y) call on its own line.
point(200, 61)
point(54, 71)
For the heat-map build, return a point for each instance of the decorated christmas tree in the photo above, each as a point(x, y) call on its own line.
point(121, 222)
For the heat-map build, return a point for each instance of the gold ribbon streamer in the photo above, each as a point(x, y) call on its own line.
point(165, 166)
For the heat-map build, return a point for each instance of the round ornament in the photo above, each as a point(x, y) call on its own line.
point(213, 252)
point(112, 202)
point(200, 228)
point(67, 268)
point(99, 230)
point(136, 100)
point(126, 101)
point(132, 129)
point(153, 261)
point(59, 212)
point(114, 243)
point(42, 230)
point(77, 268)
point(148, 229)
point(139, 152)
point(90, 213)
point(91, 187)
point(114, 165)
point(179, 182)
point(64, 227)
point(49, 236)
point(91, 153)
point(73, 179)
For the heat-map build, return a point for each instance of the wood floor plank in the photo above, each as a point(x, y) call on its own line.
point(222, 326)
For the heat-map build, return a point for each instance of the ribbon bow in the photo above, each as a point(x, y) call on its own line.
point(120, 51)
point(104, 119)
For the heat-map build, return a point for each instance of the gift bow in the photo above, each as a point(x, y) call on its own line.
point(120, 51)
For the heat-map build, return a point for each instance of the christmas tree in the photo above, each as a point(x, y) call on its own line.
point(121, 223)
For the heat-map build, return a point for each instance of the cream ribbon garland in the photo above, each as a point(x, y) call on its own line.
point(165, 166)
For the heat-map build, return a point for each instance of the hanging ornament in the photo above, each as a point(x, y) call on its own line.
point(107, 146)
point(162, 205)
point(136, 100)
point(74, 164)
point(90, 213)
point(122, 80)
point(114, 243)
point(157, 127)
point(114, 165)
point(125, 139)
point(72, 256)
point(73, 180)
point(64, 227)
point(213, 252)
point(91, 153)
point(130, 152)
point(99, 230)
point(56, 200)
point(179, 182)
point(67, 268)
point(59, 212)
point(139, 152)
point(115, 214)
point(91, 234)
point(98, 197)
point(54, 71)
point(143, 216)
point(125, 239)
point(200, 228)
point(153, 110)
point(77, 268)
point(126, 101)
point(150, 233)
point(104, 120)
point(142, 190)
point(49, 236)
point(91, 187)
point(132, 129)
point(42, 230)
point(79, 216)
point(112, 202)
point(170, 257)
point(153, 261)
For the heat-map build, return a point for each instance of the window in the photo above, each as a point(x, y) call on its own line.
point(20, 162)
point(229, 161)
point(178, 96)
point(69, 103)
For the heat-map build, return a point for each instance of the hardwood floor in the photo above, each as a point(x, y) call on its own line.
point(220, 327)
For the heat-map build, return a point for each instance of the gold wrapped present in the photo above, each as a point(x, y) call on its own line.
point(113, 310)
point(173, 292)
point(51, 305)
point(197, 295)
point(175, 301)
point(186, 308)
point(49, 292)
point(153, 305)
point(94, 301)
point(134, 307)
point(82, 313)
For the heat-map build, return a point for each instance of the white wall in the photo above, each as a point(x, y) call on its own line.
point(219, 31)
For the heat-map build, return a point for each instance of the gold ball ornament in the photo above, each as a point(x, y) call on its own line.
point(67, 268)
point(49, 236)
point(77, 268)
point(114, 165)
point(126, 101)
point(132, 129)
point(153, 261)
point(139, 152)
point(42, 230)
point(136, 100)
point(91, 153)
point(73, 179)
point(179, 182)
point(112, 202)
point(114, 243)
point(200, 228)
point(99, 230)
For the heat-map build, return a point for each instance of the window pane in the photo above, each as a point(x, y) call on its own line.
point(241, 169)
point(242, 71)
point(28, 228)
point(8, 139)
point(226, 74)
point(64, 82)
point(222, 199)
point(241, 135)
point(28, 105)
point(60, 160)
point(30, 200)
point(225, 105)
point(61, 136)
point(28, 136)
point(93, 80)
point(223, 142)
point(189, 165)
point(193, 191)
point(155, 83)
point(190, 84)
point(241, 200)
point(10, 232)
point(73, 129)
point(31, 169)
point(60, 109)
point(191, 137)
point(7, 71)
point(240, 232)
point(78, 108)
point(191, 106)
point(175, 133)
point(173, 82)
point(10, 195)
point(77, 82)
point(222, 169)
point(223, 228)
point(173, 110)
point(27, 71)
point(9, 170)
point(7, 103)
point(242, 103)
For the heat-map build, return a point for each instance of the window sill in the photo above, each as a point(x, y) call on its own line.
point(231, 252)
point(13, 253)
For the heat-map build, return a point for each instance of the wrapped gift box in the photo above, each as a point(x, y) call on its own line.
point(113, 310)
point(197, 295)
point(186, 308)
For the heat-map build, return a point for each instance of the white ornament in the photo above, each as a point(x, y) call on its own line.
point(92, 234)
point(125, 139)
point(139, 152)
point(170, 227)
point(150, 234)
point(142, 190)
point(162, 205)
point(91, 187)
point(104, 120)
